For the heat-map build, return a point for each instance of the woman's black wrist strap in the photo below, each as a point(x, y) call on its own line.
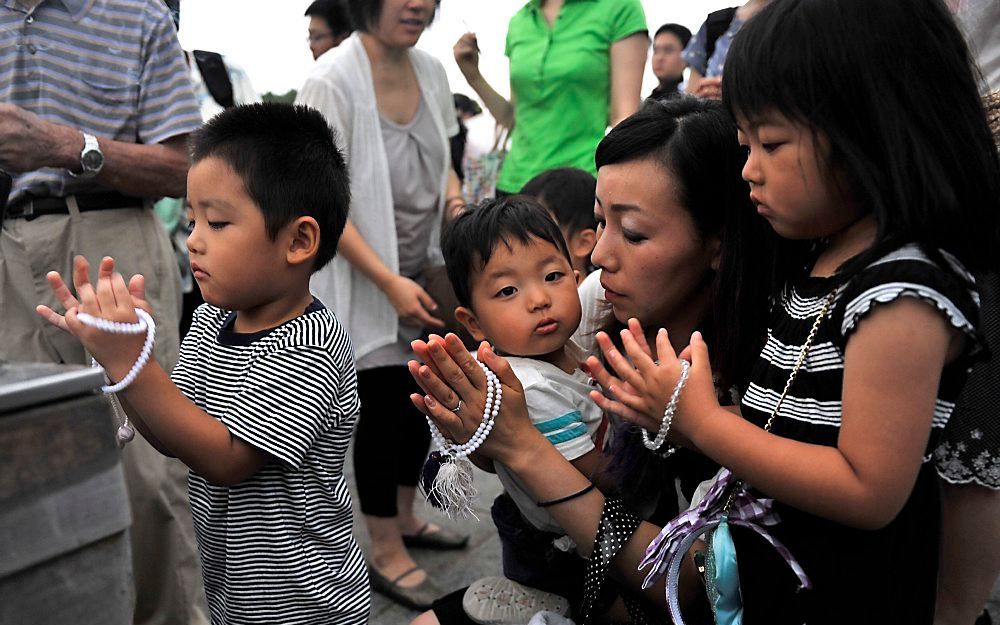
point(552, 502)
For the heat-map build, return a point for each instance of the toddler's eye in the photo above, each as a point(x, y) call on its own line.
point(217, 225)
point(507, 291)
point(190, 225)
point(552, 276)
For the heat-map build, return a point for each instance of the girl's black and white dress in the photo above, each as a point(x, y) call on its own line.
point(859, 576)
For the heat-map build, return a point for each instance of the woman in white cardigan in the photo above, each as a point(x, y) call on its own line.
point(393, 109)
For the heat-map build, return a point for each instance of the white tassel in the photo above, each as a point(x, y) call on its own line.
point(454, 489)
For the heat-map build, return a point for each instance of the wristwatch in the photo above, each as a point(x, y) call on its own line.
point(91, 158)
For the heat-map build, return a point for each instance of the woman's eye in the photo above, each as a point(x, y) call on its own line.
point(633, 237)
point(507, 291)
point(552, 276)
point(772, 146)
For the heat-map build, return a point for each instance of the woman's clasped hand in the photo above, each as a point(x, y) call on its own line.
point(449, 375)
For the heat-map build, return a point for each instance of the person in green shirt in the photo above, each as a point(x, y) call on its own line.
point(575, 67)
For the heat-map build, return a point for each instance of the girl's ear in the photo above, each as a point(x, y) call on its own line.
point(303, 240)
point(468, 319)
point(714, 247)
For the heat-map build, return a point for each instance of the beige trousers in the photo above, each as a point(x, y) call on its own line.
point(166, 568)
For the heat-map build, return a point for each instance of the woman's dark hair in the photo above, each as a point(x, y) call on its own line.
point(893, 88)
point(695, 141)
point(365, 14)
point(569, 193)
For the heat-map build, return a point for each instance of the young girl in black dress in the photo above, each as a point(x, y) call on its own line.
point(868, 152)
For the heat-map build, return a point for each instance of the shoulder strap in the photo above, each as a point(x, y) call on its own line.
point(715, 25)
point(216, 77)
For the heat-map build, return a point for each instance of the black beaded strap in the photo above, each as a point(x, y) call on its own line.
point(552, 502)
point(616, 527)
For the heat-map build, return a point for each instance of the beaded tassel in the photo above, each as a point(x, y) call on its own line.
point(447, 479)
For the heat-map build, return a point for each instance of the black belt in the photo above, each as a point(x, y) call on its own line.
point(29, 208)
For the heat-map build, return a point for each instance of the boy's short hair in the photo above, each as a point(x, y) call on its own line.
point(470, 238)
point(288, 159)
point(569, 193)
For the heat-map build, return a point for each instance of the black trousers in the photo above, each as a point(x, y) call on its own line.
point(391, 440)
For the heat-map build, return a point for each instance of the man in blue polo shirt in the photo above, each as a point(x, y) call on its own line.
point(95, 108)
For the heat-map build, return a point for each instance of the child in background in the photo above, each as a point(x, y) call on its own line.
point(568, 194)
point(893, 179)
point(510, 268)
point(262, 402)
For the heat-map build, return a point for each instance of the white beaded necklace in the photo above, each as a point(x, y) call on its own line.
point(145, 325)
point(448, 481)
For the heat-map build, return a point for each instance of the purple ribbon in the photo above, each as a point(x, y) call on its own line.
point(745, 511)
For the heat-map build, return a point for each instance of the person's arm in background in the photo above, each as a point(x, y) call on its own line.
point(454, 200)
point(628, 58)
point(694, 80)
point(28, 143)
point(467, 56)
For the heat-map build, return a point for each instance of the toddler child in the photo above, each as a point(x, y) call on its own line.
point(264, 397)
point(512, 273)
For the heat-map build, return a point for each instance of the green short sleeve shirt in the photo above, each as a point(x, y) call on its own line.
point(560, 78)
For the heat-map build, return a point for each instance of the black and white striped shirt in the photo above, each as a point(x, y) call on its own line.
point(278, 547)
point(811, 412)
point(852, 570)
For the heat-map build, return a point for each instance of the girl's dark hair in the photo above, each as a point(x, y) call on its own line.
point(569, 193)
point(365, 14)
point(695, 141)
point(891, 85)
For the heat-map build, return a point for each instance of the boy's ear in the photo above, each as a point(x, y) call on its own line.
point(303, 240)
point(467, 318)
point(714, 246)
point(582, 243)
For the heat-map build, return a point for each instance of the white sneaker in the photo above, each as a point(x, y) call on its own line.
point(500, 601)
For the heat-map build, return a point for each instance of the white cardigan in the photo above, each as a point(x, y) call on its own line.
point(340, 86)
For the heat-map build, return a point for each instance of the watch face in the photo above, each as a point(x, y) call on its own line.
point(92, 160)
